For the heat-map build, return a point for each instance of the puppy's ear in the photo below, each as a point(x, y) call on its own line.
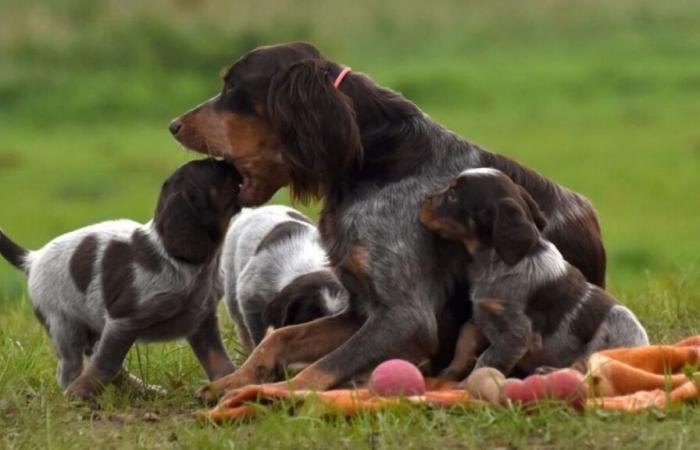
point(275, 312)
point(535, 210)
point(316, 123)
point(514, 234)
point(284, 310)
point(184, 229)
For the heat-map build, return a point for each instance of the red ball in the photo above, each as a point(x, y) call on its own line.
point(527, 391)
point(568, 385)
point(396, 377)
point(565, 384)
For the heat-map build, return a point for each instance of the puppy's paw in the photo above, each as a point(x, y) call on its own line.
point(451, 374)
point(84, 388)
point(209, 394)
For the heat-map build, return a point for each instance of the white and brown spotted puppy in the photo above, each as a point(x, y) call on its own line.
point(276, 273)
point(531, 308)
point(99, 289)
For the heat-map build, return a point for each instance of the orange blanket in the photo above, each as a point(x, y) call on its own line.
point(627, 379)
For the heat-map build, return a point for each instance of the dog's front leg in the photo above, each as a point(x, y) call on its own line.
point(508, 332)
point(305, 342)
point(209, 348)
point(470, 344)
point(115, 342)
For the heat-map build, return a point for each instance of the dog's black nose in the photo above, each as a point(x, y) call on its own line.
point(175, 126)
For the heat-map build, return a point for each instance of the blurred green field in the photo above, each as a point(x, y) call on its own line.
point(603, 97)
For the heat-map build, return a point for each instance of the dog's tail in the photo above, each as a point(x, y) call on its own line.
point(13, 253)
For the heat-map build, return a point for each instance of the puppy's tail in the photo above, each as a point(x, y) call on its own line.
point(13, 253)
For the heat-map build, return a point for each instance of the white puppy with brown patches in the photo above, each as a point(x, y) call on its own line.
point(276, 273)
point(99, 289)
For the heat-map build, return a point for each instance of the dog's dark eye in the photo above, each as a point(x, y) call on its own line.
point(236, 99)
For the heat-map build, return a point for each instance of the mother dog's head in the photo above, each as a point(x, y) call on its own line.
point(280, 120)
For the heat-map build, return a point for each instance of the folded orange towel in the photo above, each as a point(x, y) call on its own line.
point(632, 379)
point(626, 379)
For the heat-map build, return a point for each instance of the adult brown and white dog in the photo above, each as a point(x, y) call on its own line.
point(287, 116)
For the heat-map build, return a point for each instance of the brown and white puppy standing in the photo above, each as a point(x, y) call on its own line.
point(99, 289)
point(531, 308)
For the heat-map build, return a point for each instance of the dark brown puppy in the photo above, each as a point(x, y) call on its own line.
point(531, 309)
point(99, 289)
point(370, 154)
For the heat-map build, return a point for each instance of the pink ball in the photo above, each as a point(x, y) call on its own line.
point(569, 385)
point(564, 384)
point(396, 377)
point(527, 391)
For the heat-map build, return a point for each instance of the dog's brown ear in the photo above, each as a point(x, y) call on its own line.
point(514, 234)
point(185, 230)
point(316, 123)
point(535, 210)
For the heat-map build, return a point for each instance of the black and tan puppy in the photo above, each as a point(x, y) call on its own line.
point(531, 308)
point(99, 289)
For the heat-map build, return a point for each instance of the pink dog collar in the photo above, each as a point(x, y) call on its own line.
point(343, 73)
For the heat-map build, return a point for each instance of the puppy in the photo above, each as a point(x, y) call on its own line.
point(276, 273)
point(99, 289)
point(531, 308)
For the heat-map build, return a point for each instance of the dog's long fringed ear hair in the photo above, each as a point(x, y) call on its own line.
point(185, 232)
point(317, 125)
point(535, 210)
point(514, 234)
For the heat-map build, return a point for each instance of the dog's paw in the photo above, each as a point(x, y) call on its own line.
point(451, 374)
point(209, 394)
point(83, 389)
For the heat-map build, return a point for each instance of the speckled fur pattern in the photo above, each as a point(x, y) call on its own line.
point(255, 276)
point(370, 155)
point(533, 308)
point(100, 288)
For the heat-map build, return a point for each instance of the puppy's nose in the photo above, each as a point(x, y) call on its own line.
point(175, 126)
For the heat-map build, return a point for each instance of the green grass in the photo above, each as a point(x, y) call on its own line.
point(34, 413)
point(603, 97)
